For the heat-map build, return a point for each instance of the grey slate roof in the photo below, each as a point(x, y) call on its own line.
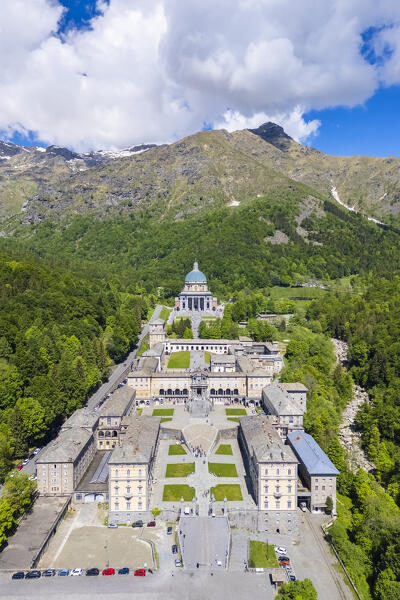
point(279, 402)
point(138, 442)
point(294, 387)
point(310, 454)
point(119, 402)
point(263, 440)
point(223, 359)
point(83, 417)
point(66, 447)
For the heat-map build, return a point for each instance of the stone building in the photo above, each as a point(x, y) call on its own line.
point(156, 332)
point(316, 470)
point(270, 464)
point(195, 296)
point(120, 404)
point(131, 467)
point(289, 410)
point(62, 464)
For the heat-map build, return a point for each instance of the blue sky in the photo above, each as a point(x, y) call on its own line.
point(88, 80)
point(372, 129)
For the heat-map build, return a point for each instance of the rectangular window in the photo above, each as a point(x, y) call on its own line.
point(265, 503)
point(289, 489)
point(316, 487)
point(277, 471)
point(323, 487)
point(289, 471)
point(278, 504)
point(266, 472)
point(128, 506)
point(289, 504)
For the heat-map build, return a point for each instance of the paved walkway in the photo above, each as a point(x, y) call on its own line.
point(204, 541)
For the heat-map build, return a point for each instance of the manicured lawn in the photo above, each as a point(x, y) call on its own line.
point(164, 419)
point(262, 555)
point(222, 469)
point(165, 312)
point(139, 411)
point(229, 491)
point(163, 412)
point(236, 419)
point(207, 357)
point(224, 449)
point(173, 493)
point(176, 449)
point(179, 470)
point(236, 411)
point(179, 360)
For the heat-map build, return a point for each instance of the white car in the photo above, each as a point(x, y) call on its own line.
point(75, 572)
point(178, 562)
point(32, 478)
point(25, 461)
point(280, 550)
point(36, 451)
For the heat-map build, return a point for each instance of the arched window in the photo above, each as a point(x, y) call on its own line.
point(228, 392)
point(101, 434)
point(177, 392)
point(169, 392)
point(220, 392)
point(212, 392)
point(161, 392)
point(108, 433)
point(114, 434)
point(236, 392)
point(184, 392)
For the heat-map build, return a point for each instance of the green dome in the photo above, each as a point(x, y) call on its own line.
point(196, 276)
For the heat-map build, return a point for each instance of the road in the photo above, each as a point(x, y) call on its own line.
point(118, 374)
point(182, 586)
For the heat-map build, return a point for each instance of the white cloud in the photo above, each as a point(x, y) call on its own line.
point(155, 70)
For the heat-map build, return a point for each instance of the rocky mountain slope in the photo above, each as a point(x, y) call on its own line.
point(205, 168)
point(24, 170)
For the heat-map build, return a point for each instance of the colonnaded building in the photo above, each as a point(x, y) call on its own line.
point(110, 453)
point(195, 296)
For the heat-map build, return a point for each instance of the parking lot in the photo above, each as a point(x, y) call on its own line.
point(83, 541)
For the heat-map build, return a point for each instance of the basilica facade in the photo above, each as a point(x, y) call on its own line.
point(195, 296)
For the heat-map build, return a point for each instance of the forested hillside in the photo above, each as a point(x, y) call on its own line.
point(276, 239)
point(367, 531)
point(58, 337)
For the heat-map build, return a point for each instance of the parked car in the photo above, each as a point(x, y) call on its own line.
point(283, 561)
point(36, 451)
point(76, 572)
point(33, 478)
point(18, 575)
point(137, 524)
point(20, 466)
point(169, 530)
point(292, 577)
point(112, 525)
point(108, 571)
point(280, 550)
point(63, 572)
point(92, 572)
point(48, 573)
point(303, 506)
point(178, 562)
point(140, 572)
point(25, 461)
point(33, 575)
point(174, 549)
point(151, 524)
point(123, 571)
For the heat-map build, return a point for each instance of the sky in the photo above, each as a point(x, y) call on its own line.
point(108, 74)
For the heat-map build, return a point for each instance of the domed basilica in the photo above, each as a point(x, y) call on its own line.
point(195, 296)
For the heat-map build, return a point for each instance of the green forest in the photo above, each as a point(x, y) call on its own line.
point(59, 336)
